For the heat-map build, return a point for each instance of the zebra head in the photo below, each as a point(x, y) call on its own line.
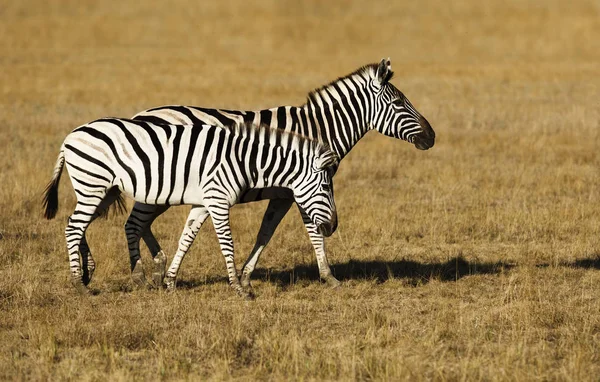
point(394, 115)
point(314, 191)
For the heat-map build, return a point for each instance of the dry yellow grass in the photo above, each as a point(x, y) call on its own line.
point(476, 260)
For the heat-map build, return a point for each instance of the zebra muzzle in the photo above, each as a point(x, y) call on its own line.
point(426, 139)
point(327, 229)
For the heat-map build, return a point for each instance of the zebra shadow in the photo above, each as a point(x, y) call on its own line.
point(591, 262)
point(415, 273)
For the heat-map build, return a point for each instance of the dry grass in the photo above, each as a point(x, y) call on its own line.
point(478, 260)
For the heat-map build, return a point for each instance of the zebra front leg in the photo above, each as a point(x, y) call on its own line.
point(197, 216)
point(159, 257)
point(273, 215)
point(318, 243)
point(220, 218)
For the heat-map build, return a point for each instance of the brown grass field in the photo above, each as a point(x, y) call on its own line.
point(476, 260)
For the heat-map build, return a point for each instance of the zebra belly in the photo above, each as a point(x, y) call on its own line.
point(193, 196)
point(256, 194)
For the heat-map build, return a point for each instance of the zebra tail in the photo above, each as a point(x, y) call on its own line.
point(120, 207)
point(50, 201)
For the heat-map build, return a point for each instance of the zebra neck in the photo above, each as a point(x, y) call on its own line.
point(276, 168)
point(337, 120)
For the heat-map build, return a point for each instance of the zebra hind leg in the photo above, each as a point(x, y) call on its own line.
point(138, 226)
point(133, 230)
point(88, 263)
point(78, 223)
point(159, 257)
point(138, 276)
point(160, 268)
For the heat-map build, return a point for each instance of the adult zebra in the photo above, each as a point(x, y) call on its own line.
point(210, 167)
point(338, 114)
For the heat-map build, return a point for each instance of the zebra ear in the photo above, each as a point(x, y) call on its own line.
point(384, 71)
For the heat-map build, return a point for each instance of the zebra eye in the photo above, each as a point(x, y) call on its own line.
point(326, 187)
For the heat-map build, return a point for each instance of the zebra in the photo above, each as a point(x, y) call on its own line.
point(210, 167)
point(338, 114)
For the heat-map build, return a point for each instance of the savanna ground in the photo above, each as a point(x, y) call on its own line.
point(478, 259)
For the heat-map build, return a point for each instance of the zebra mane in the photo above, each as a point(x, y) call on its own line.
point(266, 134)
point(366, 71)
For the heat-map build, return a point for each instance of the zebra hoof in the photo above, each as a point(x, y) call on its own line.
point(170, 283)
point(331, 281)
point(248, 290)
point(245, 281)
point(137, 275)
point(246, 294)
point(158, 273)
point(77, 282)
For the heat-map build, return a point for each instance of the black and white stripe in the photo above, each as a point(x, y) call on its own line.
point(209, 167)
point(338, 114)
